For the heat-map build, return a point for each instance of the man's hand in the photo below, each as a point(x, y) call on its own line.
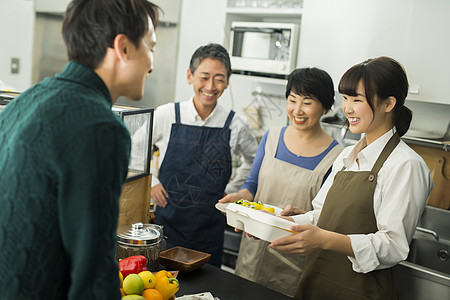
point(230, 198)
point(290, 210)
point(159, 195)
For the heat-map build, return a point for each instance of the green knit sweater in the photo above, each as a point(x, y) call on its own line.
point(63, 159)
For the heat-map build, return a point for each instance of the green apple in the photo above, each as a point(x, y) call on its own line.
point(133, 284)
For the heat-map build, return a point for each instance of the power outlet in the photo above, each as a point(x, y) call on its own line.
point(15, 65)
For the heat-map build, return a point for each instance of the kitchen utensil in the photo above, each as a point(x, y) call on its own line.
point(284, 259)
point(141, 239)
point(183, 259)
point(440, 196)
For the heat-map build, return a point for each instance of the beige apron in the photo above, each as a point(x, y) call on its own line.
point(348, 209)
point(280, 183)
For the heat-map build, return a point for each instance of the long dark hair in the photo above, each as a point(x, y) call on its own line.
point(382, 77)
point(90, 26)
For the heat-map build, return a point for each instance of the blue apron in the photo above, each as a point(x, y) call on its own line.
point(195, 172)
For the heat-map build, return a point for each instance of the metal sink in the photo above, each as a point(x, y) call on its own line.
point(426, 272)
point(416, 282)
point(430, 253)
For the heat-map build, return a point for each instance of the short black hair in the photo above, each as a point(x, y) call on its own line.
point(90, 26)
point(213, 51)
point(312, 82)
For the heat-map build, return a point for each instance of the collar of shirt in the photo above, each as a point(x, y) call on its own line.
point(196, 119)
point(76, 72)
point(367, 154)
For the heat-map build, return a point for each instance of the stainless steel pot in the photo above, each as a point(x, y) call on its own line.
point(141, 239)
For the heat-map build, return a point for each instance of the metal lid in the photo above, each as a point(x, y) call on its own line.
point(138, 234)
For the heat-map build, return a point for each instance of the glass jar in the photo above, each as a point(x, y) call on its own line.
point(141, 239)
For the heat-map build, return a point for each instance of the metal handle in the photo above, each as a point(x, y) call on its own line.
point(136, 226)
point(433, 233)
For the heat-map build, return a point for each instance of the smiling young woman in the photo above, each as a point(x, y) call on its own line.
point(366, 212)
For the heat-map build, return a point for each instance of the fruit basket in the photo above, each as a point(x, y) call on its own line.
point(183, 259)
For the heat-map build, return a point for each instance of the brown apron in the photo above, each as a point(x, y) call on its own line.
point(348, 209)
point(280, 183)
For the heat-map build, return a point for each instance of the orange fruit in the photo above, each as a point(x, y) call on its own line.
point(122, 292)
point(152, 294)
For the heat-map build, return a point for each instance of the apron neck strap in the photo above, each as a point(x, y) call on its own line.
point(178, 120)
point(390, 146)
point(177, 112)
point(228, 121)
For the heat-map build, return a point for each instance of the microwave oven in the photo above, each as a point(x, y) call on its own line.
point(263, 48)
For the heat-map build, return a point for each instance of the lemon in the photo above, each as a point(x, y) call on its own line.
point(148, 278)
point(121, 278)
point(133, 284)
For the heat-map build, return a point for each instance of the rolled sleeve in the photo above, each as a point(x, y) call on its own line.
point(307, 218)
point(365, 259)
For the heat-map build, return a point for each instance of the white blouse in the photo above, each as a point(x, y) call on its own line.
point(242, 140)
point(403, 184)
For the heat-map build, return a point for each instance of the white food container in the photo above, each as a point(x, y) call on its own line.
point(260, 224)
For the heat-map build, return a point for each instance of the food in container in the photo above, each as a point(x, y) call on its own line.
point(259, 223)
point(141, 239)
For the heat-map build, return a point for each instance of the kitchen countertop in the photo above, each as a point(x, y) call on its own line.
point(413, 136)
point(441, 143)
point(224, 285)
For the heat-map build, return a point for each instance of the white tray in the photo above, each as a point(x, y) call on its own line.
point(262, 225)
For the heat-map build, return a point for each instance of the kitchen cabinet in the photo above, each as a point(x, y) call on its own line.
point(427, 57)
point(336, 34)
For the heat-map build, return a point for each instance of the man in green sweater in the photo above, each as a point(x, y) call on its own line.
point(64, 157)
